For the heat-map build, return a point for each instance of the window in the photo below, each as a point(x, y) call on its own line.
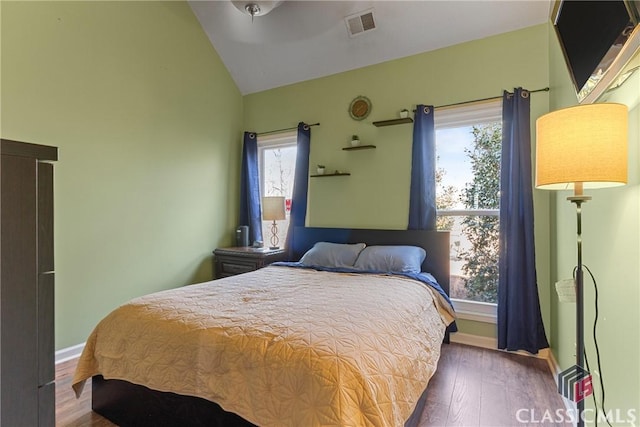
point(277, 161)
point(468, 146)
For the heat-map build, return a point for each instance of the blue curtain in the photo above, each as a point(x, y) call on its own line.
point(422, 196)
point(519, 320)
point(250, 207)
point(300, 184)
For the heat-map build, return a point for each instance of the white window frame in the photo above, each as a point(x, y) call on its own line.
point(267, 142)
point(279, 140)
point(459, 116)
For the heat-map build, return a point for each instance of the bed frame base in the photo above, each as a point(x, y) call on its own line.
point(128, 404)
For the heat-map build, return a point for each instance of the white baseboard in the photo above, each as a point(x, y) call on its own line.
point(555, 370)
point(542, 354)
point(553, 365)
point(491, 343)
point(474, 340)
point(69, 353)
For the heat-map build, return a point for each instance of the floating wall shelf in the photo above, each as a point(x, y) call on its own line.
point(393, 122)
point(330, 174)
point(360, 147)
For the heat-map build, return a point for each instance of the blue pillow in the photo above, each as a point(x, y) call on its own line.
point(396, 259)
point(325, 254)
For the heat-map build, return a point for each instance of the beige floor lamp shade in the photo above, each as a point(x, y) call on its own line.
point(585, 145)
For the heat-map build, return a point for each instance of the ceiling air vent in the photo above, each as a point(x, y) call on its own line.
point(360, 23)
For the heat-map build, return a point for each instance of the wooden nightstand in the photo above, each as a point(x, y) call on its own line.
point(232, 261)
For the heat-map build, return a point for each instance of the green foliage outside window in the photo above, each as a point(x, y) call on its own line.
point(445, 200)
point(483, 192)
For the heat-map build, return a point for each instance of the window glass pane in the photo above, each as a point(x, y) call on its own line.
point(474, 257)
point(468, 179)
point(279, 167)
point(453, 166)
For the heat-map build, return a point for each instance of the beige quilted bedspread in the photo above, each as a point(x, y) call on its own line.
point(280, 346)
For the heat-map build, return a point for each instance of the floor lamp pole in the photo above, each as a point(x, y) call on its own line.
point(579, 200)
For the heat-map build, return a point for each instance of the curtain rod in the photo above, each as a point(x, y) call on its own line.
point(546, 89)
point(282, 130)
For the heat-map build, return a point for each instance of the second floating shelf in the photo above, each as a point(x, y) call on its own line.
point(330, 174)
point(360, 147)
point(393, 122)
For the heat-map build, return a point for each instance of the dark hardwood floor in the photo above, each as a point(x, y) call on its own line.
point(479, 387)
point(69, 410)
point(472, 387)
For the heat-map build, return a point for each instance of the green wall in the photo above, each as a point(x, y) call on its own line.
point(611, 249)
point(147, 121)
point(376, 194)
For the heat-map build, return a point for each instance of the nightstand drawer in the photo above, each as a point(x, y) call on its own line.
point(231, 268)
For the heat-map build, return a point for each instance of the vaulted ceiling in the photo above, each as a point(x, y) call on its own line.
point(303, 40)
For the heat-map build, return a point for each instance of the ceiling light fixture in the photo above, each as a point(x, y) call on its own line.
point(255, 7)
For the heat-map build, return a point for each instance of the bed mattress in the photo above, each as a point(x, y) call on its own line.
point(280, 346)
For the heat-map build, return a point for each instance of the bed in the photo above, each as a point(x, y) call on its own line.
point(284, 345)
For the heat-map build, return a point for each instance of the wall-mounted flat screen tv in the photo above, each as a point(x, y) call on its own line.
point(593, 35)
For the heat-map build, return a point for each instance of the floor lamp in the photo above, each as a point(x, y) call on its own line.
point(273, 210)
point(578, 148)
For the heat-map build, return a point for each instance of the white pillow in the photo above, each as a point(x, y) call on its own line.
point(396, 259)
point(325, 254)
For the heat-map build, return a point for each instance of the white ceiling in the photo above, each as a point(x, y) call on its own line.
point(303, 40)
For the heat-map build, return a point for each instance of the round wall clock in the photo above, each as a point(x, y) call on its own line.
point(359, 108)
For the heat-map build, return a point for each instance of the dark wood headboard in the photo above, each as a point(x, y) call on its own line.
point(436, 243)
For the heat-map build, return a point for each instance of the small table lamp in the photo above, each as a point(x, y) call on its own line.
point(273, 210)
point(582, 147)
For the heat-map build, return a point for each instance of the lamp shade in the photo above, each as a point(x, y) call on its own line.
point(584, 145)
point(273, 208)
